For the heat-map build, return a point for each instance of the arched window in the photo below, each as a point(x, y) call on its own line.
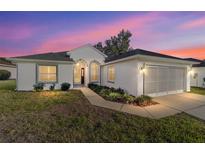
point(94, 72)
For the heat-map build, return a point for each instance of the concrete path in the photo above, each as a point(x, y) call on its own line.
point(154, 111)
point(190, 103)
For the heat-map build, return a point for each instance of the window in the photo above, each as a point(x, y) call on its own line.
point(77, 74)
point(94, 72)
point(47, 74)
point(111, 73)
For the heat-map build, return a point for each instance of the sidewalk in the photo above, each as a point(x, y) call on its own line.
point(154, 111)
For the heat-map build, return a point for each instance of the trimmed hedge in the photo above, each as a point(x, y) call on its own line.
point(4, 75)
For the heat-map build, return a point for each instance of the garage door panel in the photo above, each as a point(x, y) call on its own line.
point(150, 87)
point(153, 77)
point(164, 79)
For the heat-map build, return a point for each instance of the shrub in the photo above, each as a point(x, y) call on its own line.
point(147, 98)
point(143, 100)
point(119, 95)
point(139, 100)
point(129, 98)
point(95, 87)
point(52, 87)
point(113, 96)
point(65, 86)
point(4, 75)
point(38, 86)
point(120, 90)
point(104, 92)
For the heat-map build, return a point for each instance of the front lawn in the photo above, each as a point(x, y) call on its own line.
point(198, 90)
point(68, 117)
point(7, 85)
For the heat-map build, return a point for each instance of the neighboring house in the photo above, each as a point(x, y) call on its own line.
point(7, 65)
point(138, 71)
point(198, 73)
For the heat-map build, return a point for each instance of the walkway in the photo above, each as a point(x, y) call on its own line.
point(154, 111)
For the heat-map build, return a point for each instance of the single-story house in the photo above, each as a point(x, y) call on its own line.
point(7, 65)
point(137, 71)
point(198, 73)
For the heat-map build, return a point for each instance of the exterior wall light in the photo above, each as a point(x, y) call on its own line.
point(142, 69)
point(191, 71)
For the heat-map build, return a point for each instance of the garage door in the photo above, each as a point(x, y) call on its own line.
point(161, 80)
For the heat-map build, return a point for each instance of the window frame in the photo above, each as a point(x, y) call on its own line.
point(98, 73)
point(108, 78)
point(38, 74)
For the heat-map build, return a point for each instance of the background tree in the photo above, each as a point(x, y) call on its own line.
point(116, 44)
point(99, 46)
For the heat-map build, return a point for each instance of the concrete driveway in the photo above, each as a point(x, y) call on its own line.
point(190, 103)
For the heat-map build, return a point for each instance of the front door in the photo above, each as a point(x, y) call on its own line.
point(82, 75)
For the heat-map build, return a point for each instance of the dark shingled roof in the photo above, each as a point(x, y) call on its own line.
point(55, 56)
point(5, 62)
point(138, 52)
point(202, 64)
point(193, 59)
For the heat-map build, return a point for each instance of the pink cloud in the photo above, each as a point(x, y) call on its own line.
point(12, 52)
point(97, 33)
point(17, 32)
point(200, 22)
point(194, 52)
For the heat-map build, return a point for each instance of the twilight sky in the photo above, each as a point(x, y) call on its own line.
point(175, 33)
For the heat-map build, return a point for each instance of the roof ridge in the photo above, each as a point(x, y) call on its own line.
point(139, 51)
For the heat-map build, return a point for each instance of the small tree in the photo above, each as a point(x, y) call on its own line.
point(116, 44)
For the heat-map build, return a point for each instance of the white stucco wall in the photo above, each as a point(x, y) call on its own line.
point(89, 54)
point(11, 69)
point(129, 77)
point(125, 76)
point(198, 81)
point(65, 74)
point(26, 76)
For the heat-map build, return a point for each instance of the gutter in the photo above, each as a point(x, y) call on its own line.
point(153, 58)
point(16, 60)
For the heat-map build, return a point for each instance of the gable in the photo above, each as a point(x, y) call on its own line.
point(87, 53)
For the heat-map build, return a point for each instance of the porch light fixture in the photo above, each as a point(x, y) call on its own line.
point(142, 69)
point(191, 71)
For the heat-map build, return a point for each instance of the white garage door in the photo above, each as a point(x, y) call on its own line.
point(161, 80)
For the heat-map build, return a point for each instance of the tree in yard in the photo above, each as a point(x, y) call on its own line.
point(116, 44)
point(99, 46)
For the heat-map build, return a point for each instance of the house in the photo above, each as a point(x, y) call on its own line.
point(7, 65)
point(137, 71)
point(198, 73)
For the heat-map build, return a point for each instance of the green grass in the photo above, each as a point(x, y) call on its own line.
point(198, 90)
point(7, 84)
point(68, 117)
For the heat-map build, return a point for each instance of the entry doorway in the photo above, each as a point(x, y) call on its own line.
point(83, 76)
point(80, 73)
